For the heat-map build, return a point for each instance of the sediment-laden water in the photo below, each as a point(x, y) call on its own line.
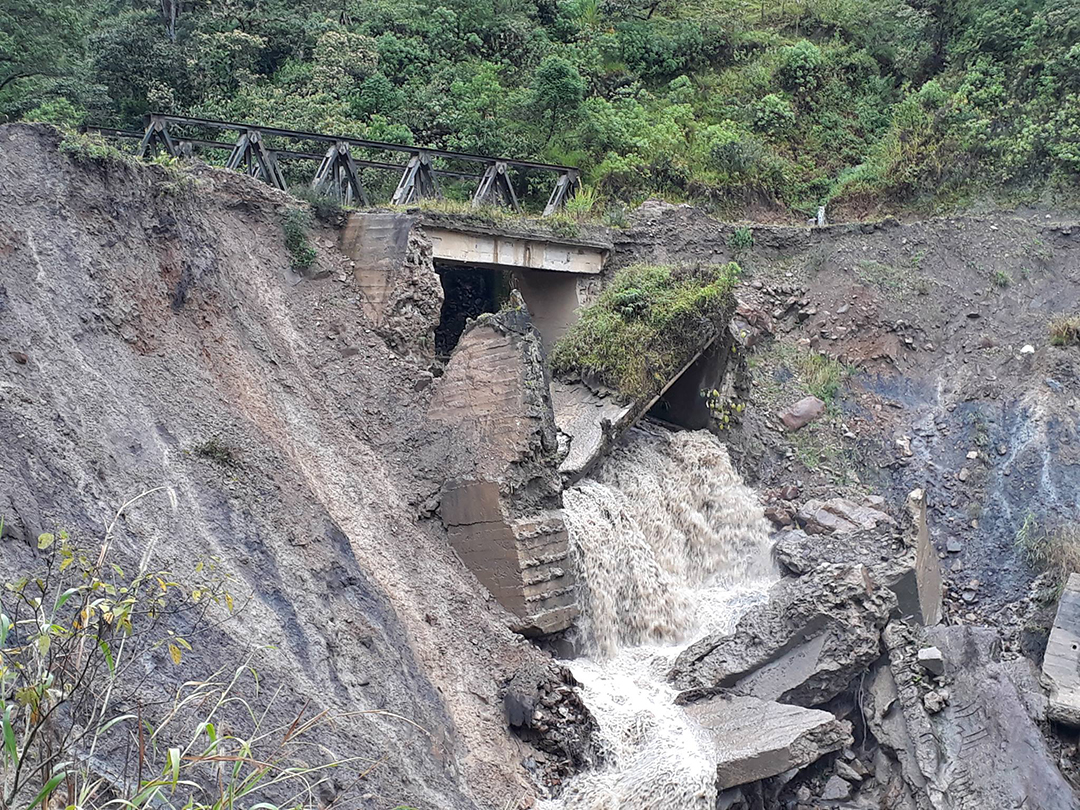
point(669, 545)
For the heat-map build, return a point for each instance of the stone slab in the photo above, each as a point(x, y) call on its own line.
point(755, 739)
point(1061, 664)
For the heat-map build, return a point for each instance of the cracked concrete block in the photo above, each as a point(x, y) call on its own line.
point(755, 739)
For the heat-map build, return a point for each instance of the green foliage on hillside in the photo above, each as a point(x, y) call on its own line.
point(857, 103)
point(645, 325)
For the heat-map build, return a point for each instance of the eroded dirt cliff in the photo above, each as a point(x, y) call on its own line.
point(146, 313)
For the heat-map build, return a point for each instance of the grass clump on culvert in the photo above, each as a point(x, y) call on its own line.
point(646, 325)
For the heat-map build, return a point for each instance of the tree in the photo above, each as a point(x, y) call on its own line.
point(38, 39)
point(557, 90)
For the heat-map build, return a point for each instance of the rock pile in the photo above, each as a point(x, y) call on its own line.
point(832, 695)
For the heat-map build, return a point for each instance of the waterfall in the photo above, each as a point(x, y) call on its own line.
point(669, 544)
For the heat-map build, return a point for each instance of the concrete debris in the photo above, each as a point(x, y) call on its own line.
point(847, 772)
point(931, 660)
point(544, 710)
point(802, 413)
point(756, 739)
point(1061, 664)
point(803, 646)
point(934, 702)
point(982, 748)
point(836, 790)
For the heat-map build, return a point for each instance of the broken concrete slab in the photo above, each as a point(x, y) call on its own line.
point(590, 420)
point(803, 646)
point(500, 505)
point(756, 739)
point(931, 660)
point(1061, 664)
point(928, 585)
point(980, 749)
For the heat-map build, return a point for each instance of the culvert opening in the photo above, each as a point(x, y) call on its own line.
point(685, 404)
point(467, 292)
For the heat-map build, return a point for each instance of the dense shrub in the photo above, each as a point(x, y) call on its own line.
point(889, 102)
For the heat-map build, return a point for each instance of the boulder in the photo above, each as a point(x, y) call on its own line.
point(1061, 664)
point(836, 789)
point(900, 557)
point(803, 646)
point(802, 413)
point(981, 748)
point(756, 739)
point(840, 516)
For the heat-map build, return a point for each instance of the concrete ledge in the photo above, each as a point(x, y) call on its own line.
point(514, 252)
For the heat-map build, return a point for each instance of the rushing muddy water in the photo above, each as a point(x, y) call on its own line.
point(669, 545)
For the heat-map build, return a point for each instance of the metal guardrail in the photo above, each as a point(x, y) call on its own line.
point(337, 175)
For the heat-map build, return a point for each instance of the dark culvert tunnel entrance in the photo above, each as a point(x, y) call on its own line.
point(468, 292)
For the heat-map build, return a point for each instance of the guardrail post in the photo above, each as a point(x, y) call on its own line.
point(564, 190)
point(417, 182)
point(337, 172)
point(251, 156)
point(495, 187)
point(156, 135)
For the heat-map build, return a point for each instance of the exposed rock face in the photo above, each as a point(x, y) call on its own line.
point(804, 646)
point(756, 739)
point(501, 504)
point(401, 292)
point(145, 322)
point(982, 748)
point(802, 413)
point(1061, 664)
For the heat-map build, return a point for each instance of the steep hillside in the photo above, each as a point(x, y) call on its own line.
point(154, 335)
point(930, 344)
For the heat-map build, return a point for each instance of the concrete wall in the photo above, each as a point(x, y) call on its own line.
point(554, 300)
point(501, 504)
point(393, 256)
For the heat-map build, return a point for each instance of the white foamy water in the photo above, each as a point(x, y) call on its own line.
point(669, 545)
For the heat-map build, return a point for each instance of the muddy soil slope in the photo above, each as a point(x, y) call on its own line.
point(146, 316)
point(944, 375)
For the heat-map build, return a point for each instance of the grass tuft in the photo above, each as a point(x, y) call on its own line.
point(1056, 551)
point(1065, 331)
point(644, 326)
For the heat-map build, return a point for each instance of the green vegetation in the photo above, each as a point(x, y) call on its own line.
point(863, 104)
point(644, 326)
point(1056, 551)
point(818, 374)
point(296, 224)
point(1002, 279)
point(213, 449)
point(93, 149)
point(1065, 331)
point(741, 239)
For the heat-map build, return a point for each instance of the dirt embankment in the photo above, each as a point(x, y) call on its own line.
point(941, 375)
point(144, 315)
